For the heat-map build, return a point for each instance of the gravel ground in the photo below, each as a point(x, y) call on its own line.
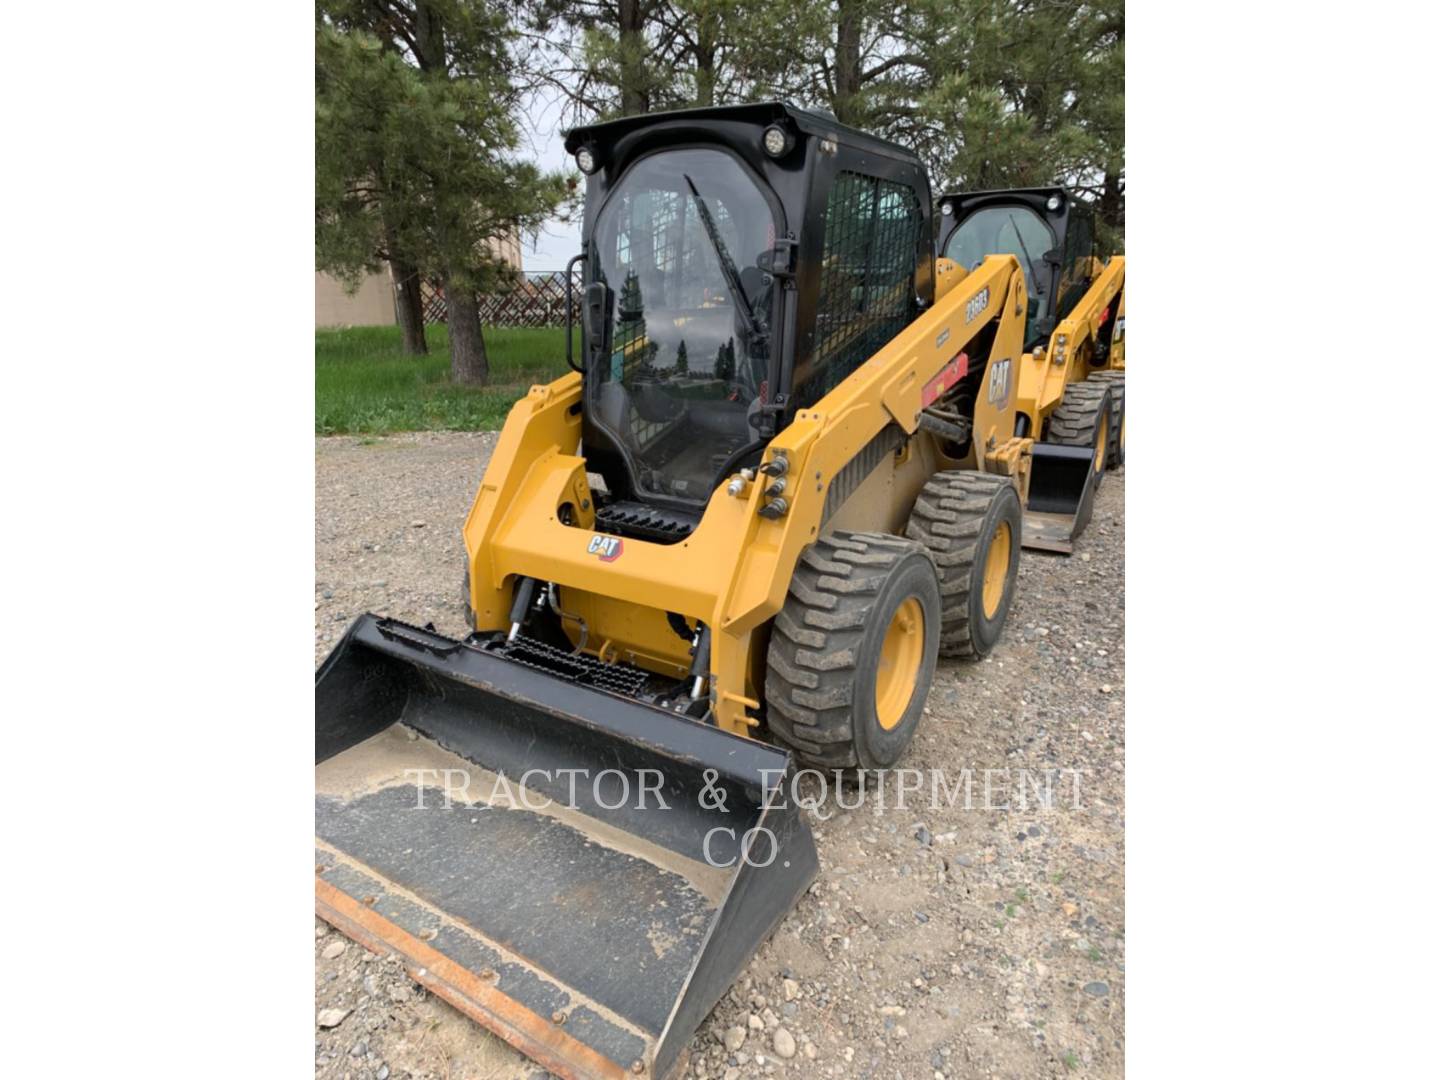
point(936, 943)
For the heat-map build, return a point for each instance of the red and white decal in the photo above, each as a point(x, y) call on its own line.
point(949, 375)
point(608, 548)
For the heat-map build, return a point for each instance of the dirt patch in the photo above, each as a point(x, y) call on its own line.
point(959, 942)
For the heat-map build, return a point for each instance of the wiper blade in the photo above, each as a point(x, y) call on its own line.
point(1034, 270)
point(727, 264)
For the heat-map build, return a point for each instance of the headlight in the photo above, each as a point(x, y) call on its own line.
point(777, 141)
point(585, 158)
point(1052, 203)
point(947, 208)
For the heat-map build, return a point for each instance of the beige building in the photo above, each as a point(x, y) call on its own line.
point(373, 304)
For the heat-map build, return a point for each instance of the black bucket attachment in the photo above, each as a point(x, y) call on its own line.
point(1062, 489)
point(581, 872)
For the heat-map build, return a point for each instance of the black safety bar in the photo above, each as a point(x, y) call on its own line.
point(569, 313)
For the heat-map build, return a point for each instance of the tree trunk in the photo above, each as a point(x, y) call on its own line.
point(848, 20)
point(469, 366)
point(634, 99)
point(706, 43)
point(429, 43)
point(409, 308)
point(705, 77)
point(1112, 205)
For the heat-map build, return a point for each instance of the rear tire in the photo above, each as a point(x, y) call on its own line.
point(1115, 380)
point(853, 650)
point(971, 523)
point(1083, 419)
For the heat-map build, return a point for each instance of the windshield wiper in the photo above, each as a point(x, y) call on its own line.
point(727, 265)
point(1034, 270)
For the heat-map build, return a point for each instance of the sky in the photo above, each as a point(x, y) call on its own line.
point(558, 242)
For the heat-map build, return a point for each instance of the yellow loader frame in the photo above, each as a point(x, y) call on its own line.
point(733, 571)
point(1066, 358)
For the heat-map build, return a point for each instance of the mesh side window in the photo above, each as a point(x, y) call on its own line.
point(867, 278)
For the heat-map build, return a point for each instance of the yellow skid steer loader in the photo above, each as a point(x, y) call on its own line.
point(1072, 371)
point(784, 476)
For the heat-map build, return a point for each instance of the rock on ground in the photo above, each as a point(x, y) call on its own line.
point(784, 1043)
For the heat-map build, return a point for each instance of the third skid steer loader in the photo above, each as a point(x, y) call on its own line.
point(1072, 373)
point(783, 477)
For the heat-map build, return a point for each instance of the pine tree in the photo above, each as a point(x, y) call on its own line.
point(1027, 94)
point(360, 203)
point(862, 60)
point(630, 339)
point(415, 137)
point(990, 93)
point(725, 362)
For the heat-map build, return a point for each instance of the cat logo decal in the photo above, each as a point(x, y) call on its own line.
point(999, 389)
point(608, 548)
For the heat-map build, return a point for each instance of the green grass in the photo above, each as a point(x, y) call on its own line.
point(365, 385)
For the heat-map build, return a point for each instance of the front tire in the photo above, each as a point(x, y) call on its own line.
point(971, 524)
point(1083, 419)
point(853, 651)
point(1115, 380)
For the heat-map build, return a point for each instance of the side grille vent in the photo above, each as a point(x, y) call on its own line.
point(645, 522)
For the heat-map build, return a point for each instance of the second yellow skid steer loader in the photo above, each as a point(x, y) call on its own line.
point(1071, 374)
point(783, 478)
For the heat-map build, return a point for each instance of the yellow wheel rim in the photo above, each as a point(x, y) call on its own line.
point(997, 567)
point(900, 656)
point(1121, 440)
point(1102, 440)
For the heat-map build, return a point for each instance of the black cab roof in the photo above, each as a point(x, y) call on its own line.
point(761, 114)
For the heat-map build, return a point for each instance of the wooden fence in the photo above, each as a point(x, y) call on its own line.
point(537, 300)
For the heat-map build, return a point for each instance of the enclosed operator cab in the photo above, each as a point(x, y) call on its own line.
point(1072, 380)
point(1051, 234)
point(739, 263)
